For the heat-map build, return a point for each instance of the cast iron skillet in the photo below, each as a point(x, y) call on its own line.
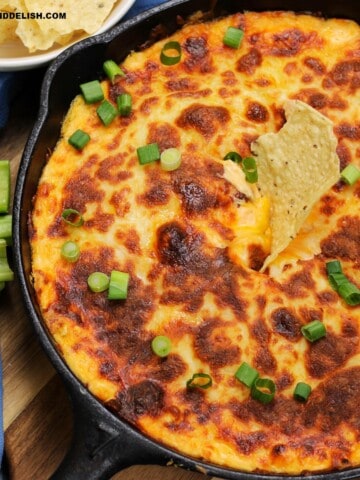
point(104, 444)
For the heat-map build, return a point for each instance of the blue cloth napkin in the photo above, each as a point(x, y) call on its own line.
point(10, 84)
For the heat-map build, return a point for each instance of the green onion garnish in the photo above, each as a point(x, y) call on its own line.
point(79, 139)
point(6, 228)
point(337, 279)
point(341, 284)
point(199, 380)
point(106, 112)
point(112, 69)
point(302, 392)
point(148, 153)
point(246, 374)
point(233, 37)
point(70, 251)
point(350, 174)
point(314, 330)
point(124, 104)
point(170, 159)
point(333, 267)
point(98, 282)
point(92, 91)
point(6, 274)
point(118, 286)
point(350, 293)
point(167, 57)
point(72, 217)
point(4, 186)
point(250, 169)
point(161, 345)
point(263, 389)
point(234, 156)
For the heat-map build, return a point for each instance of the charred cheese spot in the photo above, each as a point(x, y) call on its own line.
point(315, 64)
point(330, 353)
point(198, 55)
point(334, 403)
point(257, 113)
point(177, 246)
point(290, 42)
point(249, 62)
point(344, 243)
point(165, 135)
point(204, 119)
point(346, 73)
point(142, 398)
point(81, 190)
point(213, 346)
point(112, 169)
point(285, 323)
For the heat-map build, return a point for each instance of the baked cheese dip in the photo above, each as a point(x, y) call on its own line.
point(195, 241)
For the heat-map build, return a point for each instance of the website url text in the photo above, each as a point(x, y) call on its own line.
point(32, 15)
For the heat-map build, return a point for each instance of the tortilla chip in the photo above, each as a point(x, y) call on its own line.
point(296, 166)
point(32, 36)
point(80, 15)
point(7, 26)
point(81, 18)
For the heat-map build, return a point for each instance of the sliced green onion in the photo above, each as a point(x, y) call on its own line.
point(72, 217)
point(302, 392)
point(70, 251)
point(98, 282)
point(92, 91)
point(112, 69)
point(124, 104)
point(167, 57)
point(350, 293)
point(148, 153)
point(199, 380)
point(6, 274)
point(118, 286)
point(350, 174)
point(234, 156)
point(341, 284)
point(161, 345)
point(106, 112)
point(250, 169)
point(337, 279)
point(263, 390)
point(246, 374)
point(79, 139)
point(6, 228)
point(170, 159)
point(314, 330)
point(333, 267)
point(233, 37)
point(4, 186)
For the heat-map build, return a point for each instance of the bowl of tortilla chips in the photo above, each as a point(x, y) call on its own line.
point(33, 32)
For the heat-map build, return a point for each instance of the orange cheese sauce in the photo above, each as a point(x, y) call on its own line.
point(193, 245)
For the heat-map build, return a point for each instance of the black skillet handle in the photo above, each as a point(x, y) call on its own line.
point(102, 446)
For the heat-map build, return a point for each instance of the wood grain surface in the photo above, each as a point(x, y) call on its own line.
point(37, 411)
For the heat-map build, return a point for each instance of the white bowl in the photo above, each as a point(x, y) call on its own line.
point(14, 56)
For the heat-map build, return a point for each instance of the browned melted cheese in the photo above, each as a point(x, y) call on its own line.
point(174, 232)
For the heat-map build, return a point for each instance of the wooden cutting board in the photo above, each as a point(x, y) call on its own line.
point(37, 411)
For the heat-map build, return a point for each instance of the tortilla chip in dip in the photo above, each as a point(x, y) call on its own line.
point(296, 166)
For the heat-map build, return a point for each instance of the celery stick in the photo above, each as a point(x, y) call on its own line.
point(4, 186)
